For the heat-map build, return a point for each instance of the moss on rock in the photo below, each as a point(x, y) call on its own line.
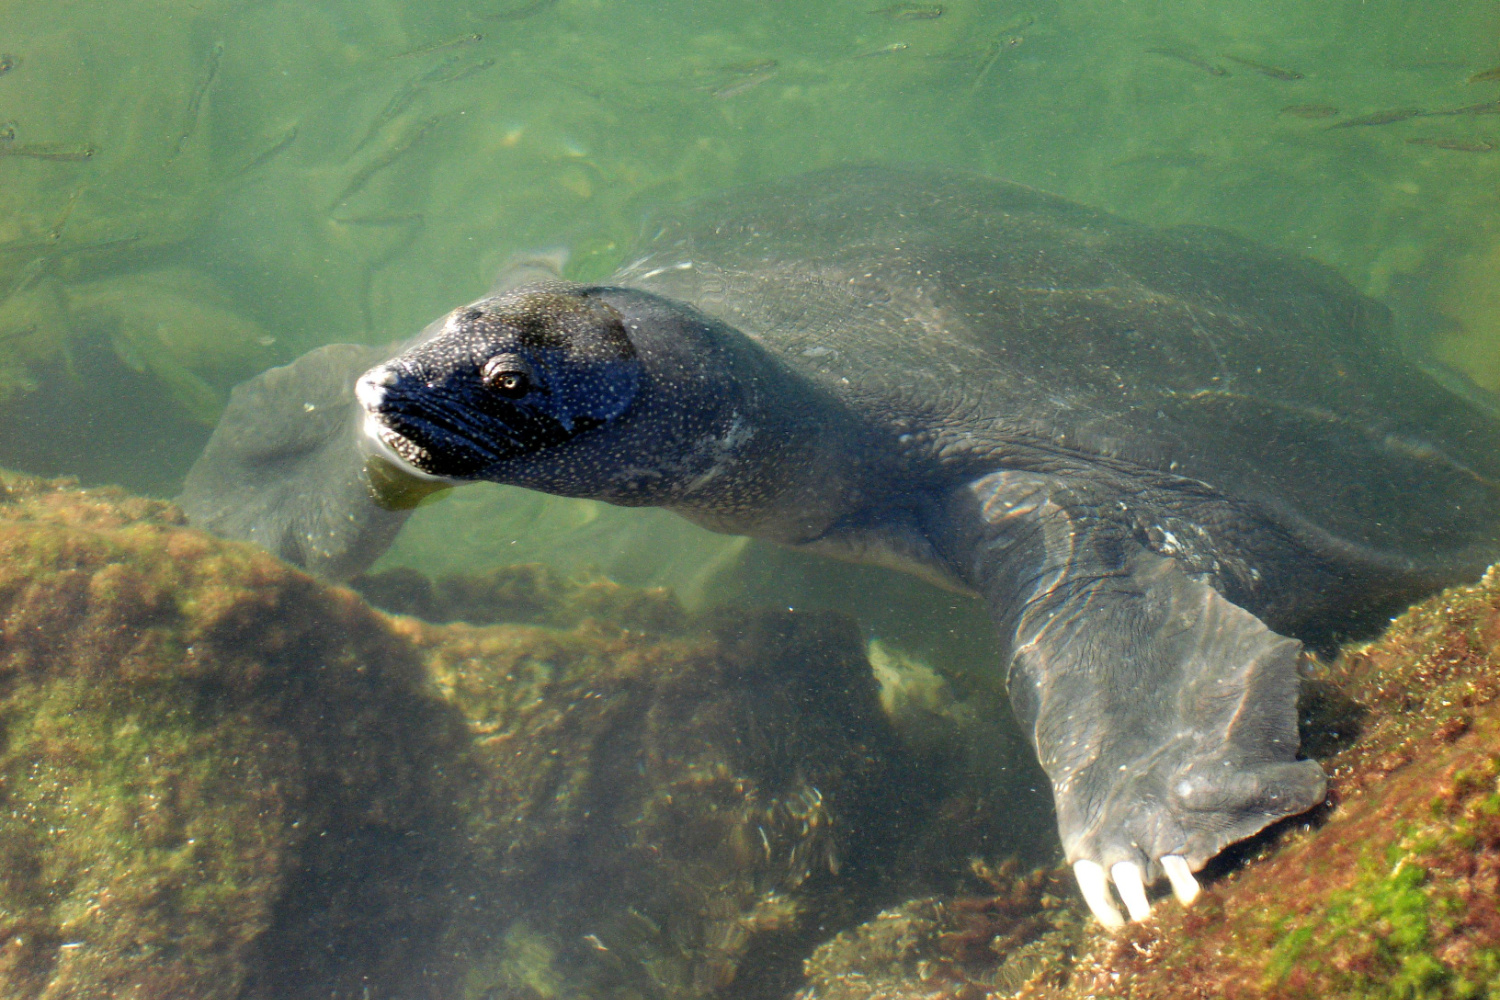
point(191, 731)
point(222, 778)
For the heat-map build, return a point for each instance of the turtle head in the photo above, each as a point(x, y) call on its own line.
point(587, 391)
point(501, 381)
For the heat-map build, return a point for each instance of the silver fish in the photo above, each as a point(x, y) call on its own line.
point(195, 103)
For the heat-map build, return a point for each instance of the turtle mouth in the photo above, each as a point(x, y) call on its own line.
point(397, 450)
point(380, 440)
point(426, 431)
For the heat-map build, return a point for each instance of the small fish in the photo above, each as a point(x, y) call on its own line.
point(1274, 72)
point(1458, 145)
point(748, 67)
point(1486, 108)
point(884, 50)
point(364, 174)
point(1191, 60)
point(463, 72)
point(269, 153)
point(469, 38)
point(34, 269)
point(399, 102)
point(997, 48)
point(1380, 117)
point(8, 62)
point(195, 103)
point(444, 72)
point(1310, 111)
point(49, 151)
point(55, 233)
point(911, 11)
point(517, 13)
point(7, 131)
point(1486, 75)
point(740, 86)
point(439, 68)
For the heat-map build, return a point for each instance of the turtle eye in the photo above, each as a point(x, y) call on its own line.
point(509, 376)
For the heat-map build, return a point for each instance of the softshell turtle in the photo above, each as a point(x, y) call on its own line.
point(1156, 453)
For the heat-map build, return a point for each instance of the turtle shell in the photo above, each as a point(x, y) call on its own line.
point(976, 321)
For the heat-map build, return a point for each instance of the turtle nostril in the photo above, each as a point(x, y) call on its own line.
point(370, 388)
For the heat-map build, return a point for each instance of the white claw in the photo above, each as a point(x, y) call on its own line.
point(1184, 886)
point(1132, 886)
point(1095, 887)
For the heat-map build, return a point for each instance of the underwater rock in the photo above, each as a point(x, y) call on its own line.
point(1012, 930)
point(217, 773)
point(669, 817)
point(225, 779)
point(222, 778)
point(1390, 890)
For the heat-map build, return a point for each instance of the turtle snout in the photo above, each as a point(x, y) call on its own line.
point(370, 388)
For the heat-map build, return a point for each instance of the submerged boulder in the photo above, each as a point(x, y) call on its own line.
point(223, 778)
point(216, 772)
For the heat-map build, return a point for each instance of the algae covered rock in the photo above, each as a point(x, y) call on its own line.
point(222, 778)
point(200, 744)
point(673, 815)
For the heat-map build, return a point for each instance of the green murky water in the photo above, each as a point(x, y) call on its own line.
point(191, 192)
point(195, 190)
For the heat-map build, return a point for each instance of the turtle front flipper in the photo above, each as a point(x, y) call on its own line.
point(286, 469)
point(1164, 714)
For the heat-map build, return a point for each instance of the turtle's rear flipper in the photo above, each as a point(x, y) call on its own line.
point(1164, 714)
point(285, 468)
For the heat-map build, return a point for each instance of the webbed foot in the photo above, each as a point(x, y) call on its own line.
point(284, 468)
point(1188, 749)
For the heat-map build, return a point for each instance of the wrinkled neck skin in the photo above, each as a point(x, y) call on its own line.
point(720, 432)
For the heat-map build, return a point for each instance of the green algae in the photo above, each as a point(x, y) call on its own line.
point(1389, 906)
point(221, 778)
point(167, 768)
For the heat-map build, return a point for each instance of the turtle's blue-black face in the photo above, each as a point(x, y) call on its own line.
point(505, 378)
